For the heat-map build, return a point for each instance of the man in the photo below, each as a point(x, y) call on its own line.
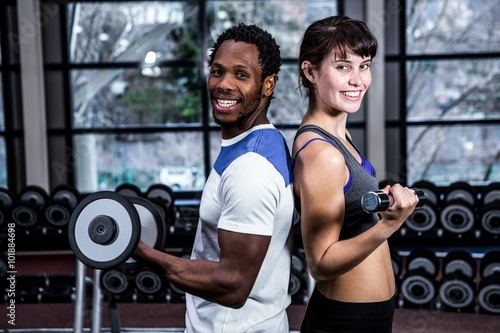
point(238, 276)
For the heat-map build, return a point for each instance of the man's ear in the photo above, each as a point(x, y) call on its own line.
point(269, 84)
point(308, 70)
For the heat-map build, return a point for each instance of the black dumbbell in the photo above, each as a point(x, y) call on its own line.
point(377, 201)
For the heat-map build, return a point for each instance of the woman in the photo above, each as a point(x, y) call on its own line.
point(346, 249)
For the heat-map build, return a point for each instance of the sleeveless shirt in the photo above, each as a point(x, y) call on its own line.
point(362, 179)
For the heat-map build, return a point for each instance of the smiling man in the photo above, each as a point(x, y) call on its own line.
point(238, 275)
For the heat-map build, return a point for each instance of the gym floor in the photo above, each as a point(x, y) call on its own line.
point(170, 318)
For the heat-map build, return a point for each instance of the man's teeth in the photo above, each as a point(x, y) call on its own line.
point(351, 93)
point(225, 103)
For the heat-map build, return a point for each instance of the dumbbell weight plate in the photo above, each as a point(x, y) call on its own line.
point(161, 192)
point(129, 190)
point(456, 293)
point(104, 230)
point(491, 193)
point(6, 198)
point(67, 194)
point(153, 229)
point(34, 194)
point(461, 191)
point(57, 213)
point(148, 282)
point(457, 216)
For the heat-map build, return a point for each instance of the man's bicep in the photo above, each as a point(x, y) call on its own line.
point(242, 254)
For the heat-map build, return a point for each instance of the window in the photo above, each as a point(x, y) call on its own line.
point(448, 112)
point(10, 120)
point(135, 74)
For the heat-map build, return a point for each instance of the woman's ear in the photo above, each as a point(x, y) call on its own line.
point(308, 70)
point(269, 84)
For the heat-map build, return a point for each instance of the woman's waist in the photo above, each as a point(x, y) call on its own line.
point(370, 281)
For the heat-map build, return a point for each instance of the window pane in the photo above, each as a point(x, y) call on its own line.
point(105, 161)
point(453, 89)
point(458, 26)
point(3, 163)
point(289, 105)
point(285, 20)
point(101, 32)
point(149, 96)
point(446, 154)
point(2, 115)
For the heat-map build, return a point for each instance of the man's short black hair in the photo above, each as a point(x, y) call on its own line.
point(269, 51)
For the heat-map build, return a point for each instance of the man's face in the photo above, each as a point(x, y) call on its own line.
point(235, 88)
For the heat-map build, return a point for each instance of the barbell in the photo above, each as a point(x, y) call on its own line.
point(106, 227)
point(377, 201)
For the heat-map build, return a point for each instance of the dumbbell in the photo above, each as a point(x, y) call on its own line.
point(458, 214)
point(489, 214)
point(418, 286)
point(58, 289)
point(57, 211)
point(422, 221)
point(488, 296)
point(27, 211)
point(457, 290)
point(377, 201)
point(6, 202)
point(117, 284)
point(105, 228)
point(151, 287)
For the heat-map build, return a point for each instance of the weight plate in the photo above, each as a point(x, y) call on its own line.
point(462, 191)
point(57, 213)
point(127, 224)
point(162, 192)
point(67, 194)
point(6, 198)
point(114, 281)
point(490, 264)
point(129, 190)
point(490, 218)
point(35, 195)
point(153, 229)
point(488, 297)
point(457, 217)
point(423, 219)
point(456, 293)
point(431, 191)
point(491, 193)
point(295, 284)
point(148, 282)
point(418, 289)
point(25, 214)
point(460, 266)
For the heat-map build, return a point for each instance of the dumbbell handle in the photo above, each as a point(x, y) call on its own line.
point(377, 201)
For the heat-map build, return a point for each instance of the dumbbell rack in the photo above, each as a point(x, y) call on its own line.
point(452, 219)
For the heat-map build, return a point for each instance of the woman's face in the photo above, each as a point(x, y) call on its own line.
point(340, 84)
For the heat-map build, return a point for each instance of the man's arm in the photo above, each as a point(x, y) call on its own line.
point(228, 281)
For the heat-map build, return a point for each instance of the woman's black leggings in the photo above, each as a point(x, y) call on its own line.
point(324, 315)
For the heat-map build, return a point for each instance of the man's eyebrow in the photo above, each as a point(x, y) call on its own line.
point(239, 66)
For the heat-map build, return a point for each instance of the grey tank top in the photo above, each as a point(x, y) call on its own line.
point(362, 179)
